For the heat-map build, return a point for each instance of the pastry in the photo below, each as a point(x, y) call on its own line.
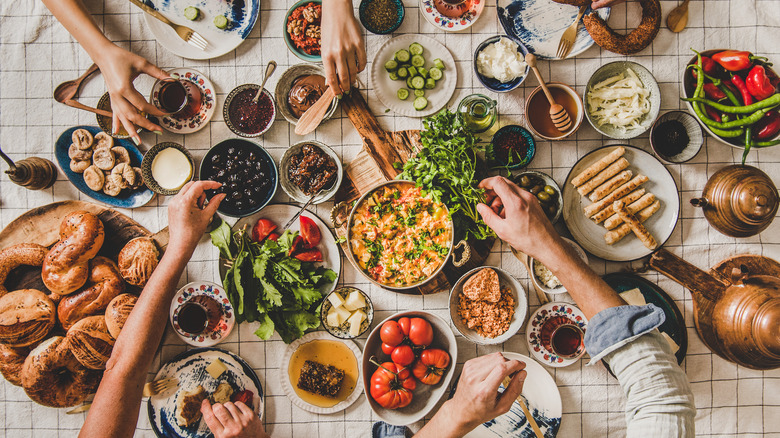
point(223, 393)
point(103, 158)
point(78, 166)
point(324, 380)
point(30, 254)
point(26, 317)
point(11, 361)
point(127, 173)
point(114, 184)
point(117, 312)
point(620, 192)
point(82, 139)
point(610, 185)
point(608, 211)
point(634, 207)
point(188, 406)
point(90, 342)
point(597, 167)
point(66, 266)
point(632, 221)
point(137, 260)
point(104, 284)
point(94, 178)
point(104, 141)
point(637, 40)
point(614, 236)
point(74, 153)
point(121, 154)
point(601, 177)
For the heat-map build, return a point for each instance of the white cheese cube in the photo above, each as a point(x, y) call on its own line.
point(216, 368)
point(355, 301)
point(336, 300)
point(633, 297)
point(671, 342)
point(355, 320)
point(337, 316)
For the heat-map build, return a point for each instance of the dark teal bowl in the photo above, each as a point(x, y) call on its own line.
point(400, 13)
point(512, 131)
point(289, 42)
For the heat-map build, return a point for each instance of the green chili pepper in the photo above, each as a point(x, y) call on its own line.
point(749, 120)
point(745, 109)
point(729, 94)
point(727, 133)
point(766, 144)
point(748, 141)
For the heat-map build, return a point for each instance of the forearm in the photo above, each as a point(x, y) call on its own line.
point(79, 23)
point(442, 425)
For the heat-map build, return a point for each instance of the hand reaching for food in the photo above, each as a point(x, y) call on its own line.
point(343, 49)
point(189, 215)
point(232, 420)
point(605, 3)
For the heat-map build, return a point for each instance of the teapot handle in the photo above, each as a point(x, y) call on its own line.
point(700, 283)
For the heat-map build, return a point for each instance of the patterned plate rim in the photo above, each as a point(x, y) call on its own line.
point(450, 24)
point(207, 108)
point(227, 321)
point(531, 329)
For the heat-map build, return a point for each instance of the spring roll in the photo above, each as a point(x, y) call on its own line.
point(598, 166)
point(608, 211)
point(614, 236)
point(617, 194)
point(610, 185)
point(603, 176)
point(633, 208)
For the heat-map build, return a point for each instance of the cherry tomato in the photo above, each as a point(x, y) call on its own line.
point(310, 232)
point(402, 355)
point(405, 324)
point(391, 333)
point(387, 348)
point(274, 236)
point(420, 332)
point(392, 386)
point(431, 366)
point(309, 255)
point(246, 396)
point(262, 229)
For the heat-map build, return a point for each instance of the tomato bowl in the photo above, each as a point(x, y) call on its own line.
point(425, 397)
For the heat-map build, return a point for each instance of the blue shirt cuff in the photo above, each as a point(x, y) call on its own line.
point(384, 430)
point(614, 327)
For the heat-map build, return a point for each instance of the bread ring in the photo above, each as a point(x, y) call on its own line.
point(66, 266)
point(104, 284)
point(26, 317)
point(30, 254)
point(51, 375)
point(82, 139)
point(11, 361)
point(636, 40)
point(90, 342)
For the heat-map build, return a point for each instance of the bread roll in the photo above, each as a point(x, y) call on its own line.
point(104, 284)
point(598, 166)
point(603, 176)
point(11, 361)
point(117, 312)
point(620, 192)
point(90, 342)
point(66, 266)
point(30, 254)
point(614, 236)
point(137, 260)
point(608, 211)
point(26, 317)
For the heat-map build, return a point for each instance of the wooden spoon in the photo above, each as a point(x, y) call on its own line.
point(678, 17)
point(312, 118)
point(558, 114)
point(70, 89)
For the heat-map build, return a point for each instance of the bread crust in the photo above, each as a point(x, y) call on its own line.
point(636, 40)
point(137, 260)
point(117, 312)
point(66, 266)
point(11, 361)
point(90, 342)
point(104, 284)
point(26, 317)
point(30, 254)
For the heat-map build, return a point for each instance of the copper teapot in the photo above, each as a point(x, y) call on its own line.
point(736, 305)
point(739, 201)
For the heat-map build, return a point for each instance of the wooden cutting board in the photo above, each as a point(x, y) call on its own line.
point(373, 165)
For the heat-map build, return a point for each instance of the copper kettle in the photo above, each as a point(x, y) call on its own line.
point(739, 201)
point(736, 305)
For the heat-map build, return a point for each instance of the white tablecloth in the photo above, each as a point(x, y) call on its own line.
point(36, 54)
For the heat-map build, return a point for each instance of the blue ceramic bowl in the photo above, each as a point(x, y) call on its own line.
point(494, 84)
point(398, 19)
point(290, 45)
point(514, 131)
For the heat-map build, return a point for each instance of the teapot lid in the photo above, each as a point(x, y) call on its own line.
point(755, 199)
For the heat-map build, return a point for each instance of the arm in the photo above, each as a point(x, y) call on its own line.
point(343, 50)
point(118, 66)
point(114, 411)
point(605, 3)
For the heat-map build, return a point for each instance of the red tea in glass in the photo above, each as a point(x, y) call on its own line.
point(179, 98)
point(452, 8)
point(567, 340)
point(199, 314)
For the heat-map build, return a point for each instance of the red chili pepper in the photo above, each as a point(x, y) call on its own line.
point(747, 98)
point(758, 83)
point(714, 115)
point(768, 126)
point(708, 65)
point(713, 92)
point(733, 60)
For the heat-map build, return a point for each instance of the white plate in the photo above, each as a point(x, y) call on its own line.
point(280, 214)
point(208, 104)
point(537, 320)
point(190, 368)
point(387, 88)
point(211, 290)
point(287, 385)
point(242, 16)
point(591, 235)
point(542, 398)
point(440, 21)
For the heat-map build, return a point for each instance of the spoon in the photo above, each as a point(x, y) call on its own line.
point(70, 89)
point(269, 70)
point(678, 17)
point(558, 114)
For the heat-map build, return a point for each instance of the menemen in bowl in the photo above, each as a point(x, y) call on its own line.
point(399, 236)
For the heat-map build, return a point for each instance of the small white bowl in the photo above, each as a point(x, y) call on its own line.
point(292, 190)
point(560, 289)
point(518, 319)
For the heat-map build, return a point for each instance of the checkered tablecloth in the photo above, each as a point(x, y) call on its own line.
point(36, 54)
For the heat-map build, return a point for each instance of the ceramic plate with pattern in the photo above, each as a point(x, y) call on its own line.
point(211, 290)
point(539, 24)
point(542, 398)
point(190, 368)
point(534, 326)
point(242, 16)
point(207, 107)
point(440, 21)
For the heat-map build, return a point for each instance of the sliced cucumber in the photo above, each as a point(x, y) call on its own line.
point(438, 63)
point(402, 72)
point(418, 82)
point(221, 22)
point(420, 103)
point(423, 72)
point(419, 93)
point(430, 83)
point(418, 61)
point(435, 73)
point(393, 76)
point(416, 49)
point(412, 71)
point(191, 13)
point(402, 55)
point(403, 93)
point(391, 65)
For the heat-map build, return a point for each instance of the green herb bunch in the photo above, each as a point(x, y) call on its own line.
point(264, 284)
point(446, 167)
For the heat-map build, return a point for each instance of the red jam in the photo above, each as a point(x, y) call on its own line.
point(250, 117)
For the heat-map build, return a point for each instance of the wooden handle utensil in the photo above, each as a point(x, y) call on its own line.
point(312, 118)
point(526, 412)
point(558, 114)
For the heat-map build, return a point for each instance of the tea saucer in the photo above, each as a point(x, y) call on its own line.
point(440, 21)
point(208, 105)
point(210, 290)
point(534, 326)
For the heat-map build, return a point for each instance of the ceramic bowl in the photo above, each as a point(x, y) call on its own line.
point(576, 119)
point(560, 289)
point(146, 167)
point(426, 397)
point(518, 319)
point(292, 190)
point(105, 123)
point(548, 180)
point(290, 45)
point(284, 84)
point(342, 331)
point(399, 17)
point(229, 100)
point(493, 84)
point(649, 82)
point(695, 136)
point(514, 131)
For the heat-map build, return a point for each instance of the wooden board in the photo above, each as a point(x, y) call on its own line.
point(374, 165)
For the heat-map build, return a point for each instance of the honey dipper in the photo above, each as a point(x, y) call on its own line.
point(558, 114)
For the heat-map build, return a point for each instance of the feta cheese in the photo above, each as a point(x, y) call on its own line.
point(355, 320)
point(633, 297)
point(545, 276)
point(216, 368)
point(336, 300)
point(337, 316)
point(501, 61)
point(355, 301)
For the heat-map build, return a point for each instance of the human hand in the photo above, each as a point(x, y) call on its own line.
point(605, 3)
point(232, 420)
point(343, 50)
point(119, 69)
point(188, 217)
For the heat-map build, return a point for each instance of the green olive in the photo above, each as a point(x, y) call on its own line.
point(525, 181)
point(543, 196)
point(550, 190)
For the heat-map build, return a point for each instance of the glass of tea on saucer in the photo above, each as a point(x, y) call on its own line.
point(562, 337)
point(452, 8)
point(199, 315)
point(178, 97)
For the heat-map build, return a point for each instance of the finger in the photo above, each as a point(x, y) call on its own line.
point(360, 55)
point(331, 78)
point(234, 411)
point(185, 188)
point(222, 414)
point(600, 4)
point(130, 128)
point(353, 71)
point(343, 71)
point(211, 420)
point(245, 410)
point(491, 218)
point(115, 123)
point(138, 101)
point(501, 186)
point(211, 207)
point(497, 204)
point(502, 370)
point(154, 71)
point(202, 201)
point(199, 187)
point(479, 367)
point(511, 392)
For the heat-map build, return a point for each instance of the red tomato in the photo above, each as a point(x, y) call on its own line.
point(387, 348)
point(405, 324)
point(262, 229)
point(392, 386)
point(273, 236)
point(246, 396)
point(309, 255)
point(310, 232)
point(391, 334)
point(431, 366)
point(420, 332)
point(298, 245)
point(402, 355)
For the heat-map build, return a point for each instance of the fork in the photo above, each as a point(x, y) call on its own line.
point(570, 35)
point(184, 32)
point(159, 386)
